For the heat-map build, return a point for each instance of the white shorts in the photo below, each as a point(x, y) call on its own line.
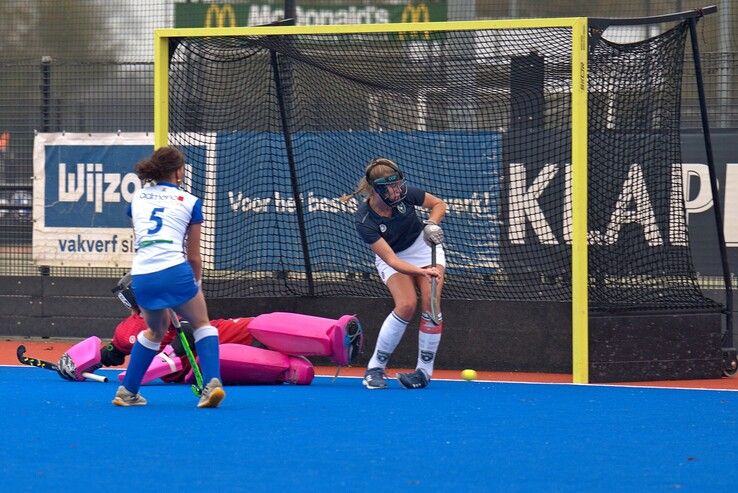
point(418, 254)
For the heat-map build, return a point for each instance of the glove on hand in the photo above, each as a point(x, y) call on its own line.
point(67, 368)
point(432, 233)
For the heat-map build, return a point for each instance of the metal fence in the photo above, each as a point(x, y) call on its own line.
point(87, 66)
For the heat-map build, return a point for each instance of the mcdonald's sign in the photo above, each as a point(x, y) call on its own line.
point(414, 13)
point(217, 15)
point(313, 12)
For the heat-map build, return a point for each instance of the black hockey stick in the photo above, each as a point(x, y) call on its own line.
point(47, 365)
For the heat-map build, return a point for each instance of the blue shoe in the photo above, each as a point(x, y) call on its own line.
point(415, 380)
point(374, 379)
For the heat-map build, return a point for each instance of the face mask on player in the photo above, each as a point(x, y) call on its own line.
point(124, 292)
point(391, 189)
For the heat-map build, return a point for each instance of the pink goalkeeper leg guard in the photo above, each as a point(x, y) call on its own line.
point(85, 355)
point(306, 335)
point(165, 363)
point(301, 371)
point(248, 365)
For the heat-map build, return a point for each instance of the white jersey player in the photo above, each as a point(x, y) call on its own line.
point(166, 273)
point(161, 214)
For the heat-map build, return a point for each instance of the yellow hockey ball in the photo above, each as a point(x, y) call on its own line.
point(469, 374)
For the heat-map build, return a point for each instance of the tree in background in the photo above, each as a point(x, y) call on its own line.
point(71, 33)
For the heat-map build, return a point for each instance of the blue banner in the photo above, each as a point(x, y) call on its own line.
point(90, 185)
point(257, 215)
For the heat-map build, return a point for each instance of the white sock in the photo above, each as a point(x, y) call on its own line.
point(429, 338)
point(390, 334)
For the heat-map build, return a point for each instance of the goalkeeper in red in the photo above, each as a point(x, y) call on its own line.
point(267, 349)
point(386, 220)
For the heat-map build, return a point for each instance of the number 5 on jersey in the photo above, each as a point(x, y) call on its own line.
point(158, 221)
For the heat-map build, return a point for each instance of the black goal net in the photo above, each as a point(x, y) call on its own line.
point(277, 128)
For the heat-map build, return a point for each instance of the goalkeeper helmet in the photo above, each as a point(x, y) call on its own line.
point(391, 187)
point(124, 292)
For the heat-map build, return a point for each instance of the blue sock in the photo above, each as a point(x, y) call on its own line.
point(208, 352)
point(141, 356)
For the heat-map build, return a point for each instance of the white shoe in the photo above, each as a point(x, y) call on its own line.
point(212, 394)
point(125, 398)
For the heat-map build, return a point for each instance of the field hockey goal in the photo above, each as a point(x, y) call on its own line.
point(557, 151)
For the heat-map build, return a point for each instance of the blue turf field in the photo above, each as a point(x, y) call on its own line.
point(336, 436)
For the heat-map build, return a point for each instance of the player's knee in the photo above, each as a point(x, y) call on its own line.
point(157, 323)
point(197, 318)
point(406, 309)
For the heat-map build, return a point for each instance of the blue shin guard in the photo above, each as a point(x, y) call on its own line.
point(141, 355)
point(208, 352)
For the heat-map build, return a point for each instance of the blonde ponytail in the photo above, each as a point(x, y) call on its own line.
point(363, 188)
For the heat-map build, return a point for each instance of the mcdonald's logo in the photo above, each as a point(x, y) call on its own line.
point(219, 14)
point(415, 13)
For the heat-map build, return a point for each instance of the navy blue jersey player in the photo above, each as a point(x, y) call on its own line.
point(166, 273)
point(387, 221)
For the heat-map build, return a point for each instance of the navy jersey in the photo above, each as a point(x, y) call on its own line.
point(400, 230)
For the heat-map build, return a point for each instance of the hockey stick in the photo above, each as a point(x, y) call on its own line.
point(47, 365)
point(197, 387)
point(435, 309)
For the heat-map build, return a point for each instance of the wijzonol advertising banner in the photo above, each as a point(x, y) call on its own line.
point(82, 186)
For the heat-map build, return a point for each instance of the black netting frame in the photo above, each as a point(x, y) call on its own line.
point(489, 131)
